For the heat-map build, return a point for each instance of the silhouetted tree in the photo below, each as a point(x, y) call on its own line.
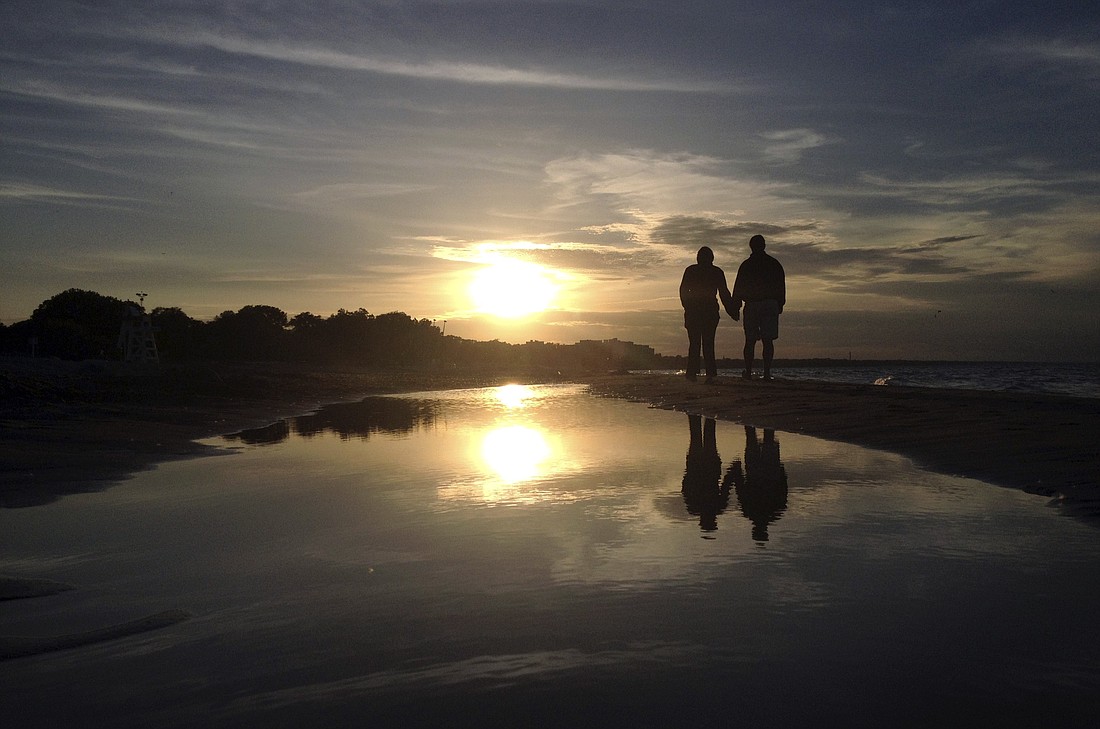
point(176, 333)
point(306, 330)
point(78, 324)
point(345, 337)
point(254, 332)
point(17, 338)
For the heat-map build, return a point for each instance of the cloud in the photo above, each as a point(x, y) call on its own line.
point(690, 232)
point(1069, 58)
point(110, 102)
point(584, 258)
point(641, 184)
point(431, 70)
point(27, 193)
point(787, 146)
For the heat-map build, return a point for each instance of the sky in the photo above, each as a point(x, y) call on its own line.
point(928, 173)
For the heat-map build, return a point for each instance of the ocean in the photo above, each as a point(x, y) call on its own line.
point(1057, 378)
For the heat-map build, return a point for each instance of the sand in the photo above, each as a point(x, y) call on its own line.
point(76, 427)
point(21, 647)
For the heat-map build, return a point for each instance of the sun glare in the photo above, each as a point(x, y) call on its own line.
point(515, 453)
point(511, 289)
point(513, 396)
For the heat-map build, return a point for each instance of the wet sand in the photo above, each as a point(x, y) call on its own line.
point(20, 647)
point(76, 427)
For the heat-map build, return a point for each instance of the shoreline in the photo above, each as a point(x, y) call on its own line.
point(70, 428)
point(1041, 444)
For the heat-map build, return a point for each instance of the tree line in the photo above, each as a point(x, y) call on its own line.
point(79, 325)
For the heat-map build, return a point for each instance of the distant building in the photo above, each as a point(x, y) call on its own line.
point(613, 354)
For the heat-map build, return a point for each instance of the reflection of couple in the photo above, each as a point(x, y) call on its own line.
point(760, 482)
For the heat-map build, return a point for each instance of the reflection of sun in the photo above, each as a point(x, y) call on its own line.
point(515, 453)
point(513, 396)
point(512, 289)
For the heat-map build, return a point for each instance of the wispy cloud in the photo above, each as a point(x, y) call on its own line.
point(343, 193)
point(690, 232)
point(648, 183)
point(962, 190)
point(787, 146)
point(112, 102)
point(21, 192)
point(584, 258)
point(435, 70)
point(1054, 53)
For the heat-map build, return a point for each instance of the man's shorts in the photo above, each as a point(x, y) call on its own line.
point(761, 319)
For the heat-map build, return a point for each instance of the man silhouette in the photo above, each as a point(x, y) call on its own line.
point(702, 281)
point(761, 487)
point(760, 284)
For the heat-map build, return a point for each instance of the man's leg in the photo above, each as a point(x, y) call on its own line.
point(769, 353)
point(750, 347)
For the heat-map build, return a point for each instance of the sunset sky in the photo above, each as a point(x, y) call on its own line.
point(927, 172)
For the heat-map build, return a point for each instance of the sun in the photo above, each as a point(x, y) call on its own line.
point(511, 289)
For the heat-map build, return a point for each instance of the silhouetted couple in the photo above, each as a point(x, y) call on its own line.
point(760, 482)
point(759, 284)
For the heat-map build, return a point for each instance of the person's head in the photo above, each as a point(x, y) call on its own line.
point(756, 243)
point(705, 256)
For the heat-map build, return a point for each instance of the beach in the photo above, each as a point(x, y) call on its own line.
point(77, 427)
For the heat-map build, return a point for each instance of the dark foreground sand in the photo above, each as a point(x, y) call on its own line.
point(73, 427)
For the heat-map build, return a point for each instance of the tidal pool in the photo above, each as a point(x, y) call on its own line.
point(537, 556)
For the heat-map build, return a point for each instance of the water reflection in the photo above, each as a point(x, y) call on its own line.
point(759, 480)
point(760, 483)
point(361, 419)
point(514, 441)
point(513, 396)
point(706, 494)
point(377, 575)
point(515, 453)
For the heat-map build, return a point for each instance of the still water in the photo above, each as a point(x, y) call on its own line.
point(536, 556)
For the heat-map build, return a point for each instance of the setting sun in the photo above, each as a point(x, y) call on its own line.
point(511, 289)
